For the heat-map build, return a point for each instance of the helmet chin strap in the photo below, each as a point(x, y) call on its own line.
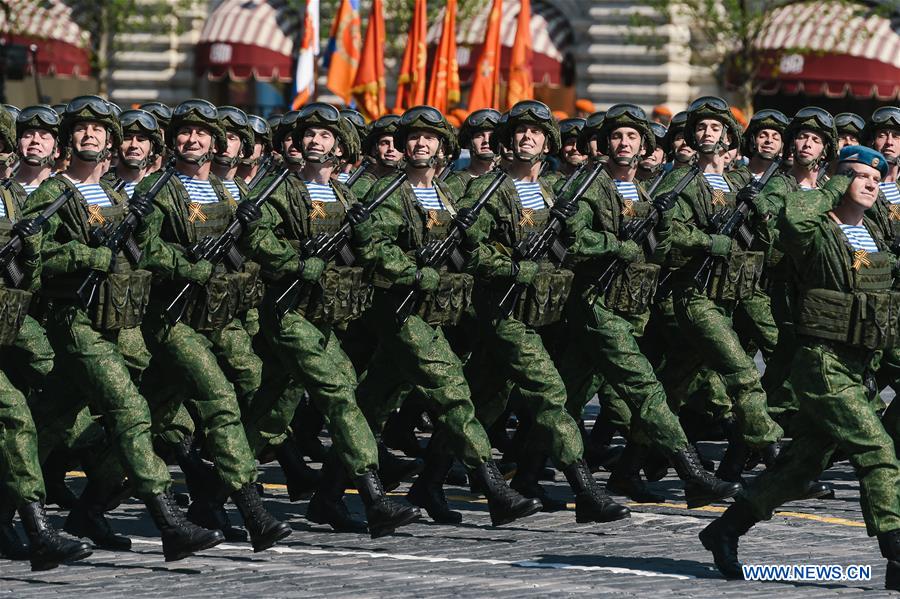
point(39, 162)
point(529, 158)
point(9, 160)
point(627, 161)
point(91, 156)
point(226, 161)
point(198, 160)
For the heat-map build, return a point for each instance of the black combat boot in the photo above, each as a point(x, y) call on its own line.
point(591, 503)
point(889, 543)
point(394, 470)
point(700, 486)
point(427, 492)
point(302, 481)
point(626, 478)
point(818, 490)
point(210, 513)
point(199, 476)
point(528, 472)
point(264, 529)
point(180, 537)
point(327, 505)
point(504, 504)
point(383, 513)
point(656, 465)
point(88, 520)
point(48, 548)
point(11, 545)
point(732, 465)
point(721, 537)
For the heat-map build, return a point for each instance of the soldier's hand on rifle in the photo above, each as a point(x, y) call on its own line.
point(747, 194)
point(102, 259)
point(311, 269)
point(248, 213)
point(564, 210)
point(26, 227)
point(427, 279)
point(358, 217)
point(664, 202)
point(525, 271)
point(720, 245)
point(628, 251)
point(199, 272)
point(466, 219)
point(141, 205)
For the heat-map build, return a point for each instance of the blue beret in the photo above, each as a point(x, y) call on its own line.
point(864, 155)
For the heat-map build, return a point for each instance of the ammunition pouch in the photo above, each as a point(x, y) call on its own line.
point(632, 291)
point(868, 320)
point(122, 299)
point(250, 296)
point(544, 301)
point(737, 278)
point(446, 305)
point(342, 294)
point(14, 305)
point(217, 303)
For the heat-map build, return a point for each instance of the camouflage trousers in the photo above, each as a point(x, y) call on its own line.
point(755, 325)
point(97, 375)
point(706, 327)
point(299, 352)
point(184, 358)
point(630, 386)
point(835, 413)
point(21, 479)
point(509, 355)
point(417, 357)
point(776, 379)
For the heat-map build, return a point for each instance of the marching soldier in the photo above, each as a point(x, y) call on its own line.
point(849, 127)
point(37, 133)
point(142, 145)
point(510, 348)
point(842, 256)
point(240, 146)
point(385, 159)
point(86, 340)
point(262, 148)
point(475, 136)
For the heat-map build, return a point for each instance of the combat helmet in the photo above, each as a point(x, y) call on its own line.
point(357, 121)
point(426, 118)
point(711, 107)
point(817, 120)
point(386, 125)
point(234, 120)
point(486, 119)
point(570, 128)
point(764, 119)
point(39, 116)
point(262, 134)
point(326, 116)
point(849, 123)
point(95, 109)
point(142, 122)
point(886, 117)
point(625, 115)
point(200, 113)
point(589, 131)
point(162, 112)
point(530, 112)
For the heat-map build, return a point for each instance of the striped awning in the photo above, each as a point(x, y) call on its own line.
point(245, 39)
point(832, 49)
point(62, 46)
point(551, 36)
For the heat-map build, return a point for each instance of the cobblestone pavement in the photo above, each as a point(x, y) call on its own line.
point(655, 551)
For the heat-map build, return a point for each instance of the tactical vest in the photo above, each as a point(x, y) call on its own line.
point(446, 305)
point(545, 298)
point(14, 303)
point(632, 290)
point(737, 277)
point(343, 292)
point(226, 294)
point(123, 296)
point(868, 316)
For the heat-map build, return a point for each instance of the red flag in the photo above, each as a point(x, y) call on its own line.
point(411, 82)
point(305, 78)
point(443, 89)
point(342, 53)
point(521, 86)
point(369, 86)
point(486, 87)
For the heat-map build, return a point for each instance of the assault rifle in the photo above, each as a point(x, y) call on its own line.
point(117, 239)
point(10, 251)
point(732, 224)
point(360, 170)
point(265, 165)
point(438, 252)
point(328, 247)
point(640, 230)
point(537, 246)
point(218, 249)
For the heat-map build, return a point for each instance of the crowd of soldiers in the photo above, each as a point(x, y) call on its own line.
point(203, 287)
